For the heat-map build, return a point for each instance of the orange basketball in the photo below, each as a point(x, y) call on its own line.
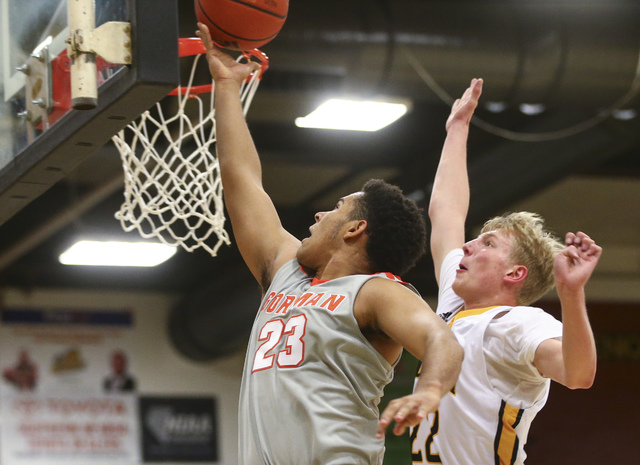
point(242, 24)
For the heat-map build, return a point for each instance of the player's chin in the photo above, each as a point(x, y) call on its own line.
point(300, 253)
point(458, 285)
point(306, 261)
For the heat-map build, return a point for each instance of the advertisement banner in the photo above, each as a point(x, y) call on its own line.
point(179, 429)
point(64, 430)
point(68, 387)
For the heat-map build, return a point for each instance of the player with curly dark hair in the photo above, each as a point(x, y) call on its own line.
point(334, 319)
point(397, 231)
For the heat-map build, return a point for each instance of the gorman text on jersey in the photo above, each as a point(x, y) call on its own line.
point(280, 303)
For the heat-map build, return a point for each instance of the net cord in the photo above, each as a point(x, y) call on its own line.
point(174, 196)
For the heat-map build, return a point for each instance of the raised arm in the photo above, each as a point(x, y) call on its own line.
point(407, 319)
point(264, 244)
point(572, 361)
point(450, 195)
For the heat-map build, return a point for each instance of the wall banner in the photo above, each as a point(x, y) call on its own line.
point(67, 387)
point(178, 429)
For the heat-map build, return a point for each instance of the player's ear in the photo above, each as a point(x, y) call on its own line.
point(516, 274)
point(355, 229)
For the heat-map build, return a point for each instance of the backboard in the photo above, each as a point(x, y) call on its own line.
point(42, 138)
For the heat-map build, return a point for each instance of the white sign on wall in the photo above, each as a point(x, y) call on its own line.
point(68, 387)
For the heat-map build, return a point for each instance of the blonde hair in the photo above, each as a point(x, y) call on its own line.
point(533, 247)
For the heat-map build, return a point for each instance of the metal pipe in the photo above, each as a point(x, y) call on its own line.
point(84, 82)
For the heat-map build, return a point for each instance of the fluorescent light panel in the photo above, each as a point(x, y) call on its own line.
point(352, 115)
point(532, 108)
point(625, 114)
point(495, 107)
point(112, 253)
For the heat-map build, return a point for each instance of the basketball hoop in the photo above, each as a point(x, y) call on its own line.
point(172, 187)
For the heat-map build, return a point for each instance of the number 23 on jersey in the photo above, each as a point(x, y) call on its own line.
point(274, 331)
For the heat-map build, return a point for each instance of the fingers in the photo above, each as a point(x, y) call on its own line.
point(402, 423)
point(222, 65)
point(406, 411)
point(407, 422)
point(385, 420)
point(205, 35)
point(471, 94)
point(571, 252)
point(463, 108)
point(476, 85)
point(583, 244)
point(473, 91)
point(382, 427)
point(387, 416)
point(255, 66)
point(467, 94)
point(574, 265)
point(209, 44)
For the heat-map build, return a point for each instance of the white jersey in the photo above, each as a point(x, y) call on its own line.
point(312, 382)
point(486, 417)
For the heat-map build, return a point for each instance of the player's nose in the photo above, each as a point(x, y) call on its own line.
point(467, 248)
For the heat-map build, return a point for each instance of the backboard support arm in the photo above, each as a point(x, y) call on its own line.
point(111, 41)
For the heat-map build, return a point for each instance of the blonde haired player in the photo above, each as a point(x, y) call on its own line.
point(512, 350)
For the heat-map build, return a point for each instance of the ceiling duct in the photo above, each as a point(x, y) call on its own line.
point(557, 53)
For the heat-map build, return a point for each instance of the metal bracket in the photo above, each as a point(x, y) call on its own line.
point(38, 86)
point(111, 41)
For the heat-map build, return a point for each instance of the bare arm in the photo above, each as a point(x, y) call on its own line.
point(450, 195)
point(409, 321)
point(264, 244)
point(572, 361)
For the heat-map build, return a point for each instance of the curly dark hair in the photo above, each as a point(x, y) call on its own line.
point(395, 226)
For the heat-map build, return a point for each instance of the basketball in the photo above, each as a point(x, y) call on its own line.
point(242, 24)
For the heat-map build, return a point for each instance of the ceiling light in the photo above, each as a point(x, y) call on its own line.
point(625, 114)
point(111, 253)
point(495, 107)
point(532, 108)
point(353, 115)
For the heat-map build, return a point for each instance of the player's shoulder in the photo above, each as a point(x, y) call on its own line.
point(382, 296)
point(384, 286)
point(524, 319)
point(528, 313)
point(286, 272)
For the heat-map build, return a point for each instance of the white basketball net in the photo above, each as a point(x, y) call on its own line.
point(172, 187)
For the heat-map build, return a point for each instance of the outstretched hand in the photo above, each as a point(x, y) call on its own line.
point(221, 65)
point(408, 411)
point(574, 265)
point(463, 108)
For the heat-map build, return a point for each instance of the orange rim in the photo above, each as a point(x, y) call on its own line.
point(189, 46)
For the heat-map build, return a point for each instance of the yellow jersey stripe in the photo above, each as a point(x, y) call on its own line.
point(506, 441)
point(472, 312)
